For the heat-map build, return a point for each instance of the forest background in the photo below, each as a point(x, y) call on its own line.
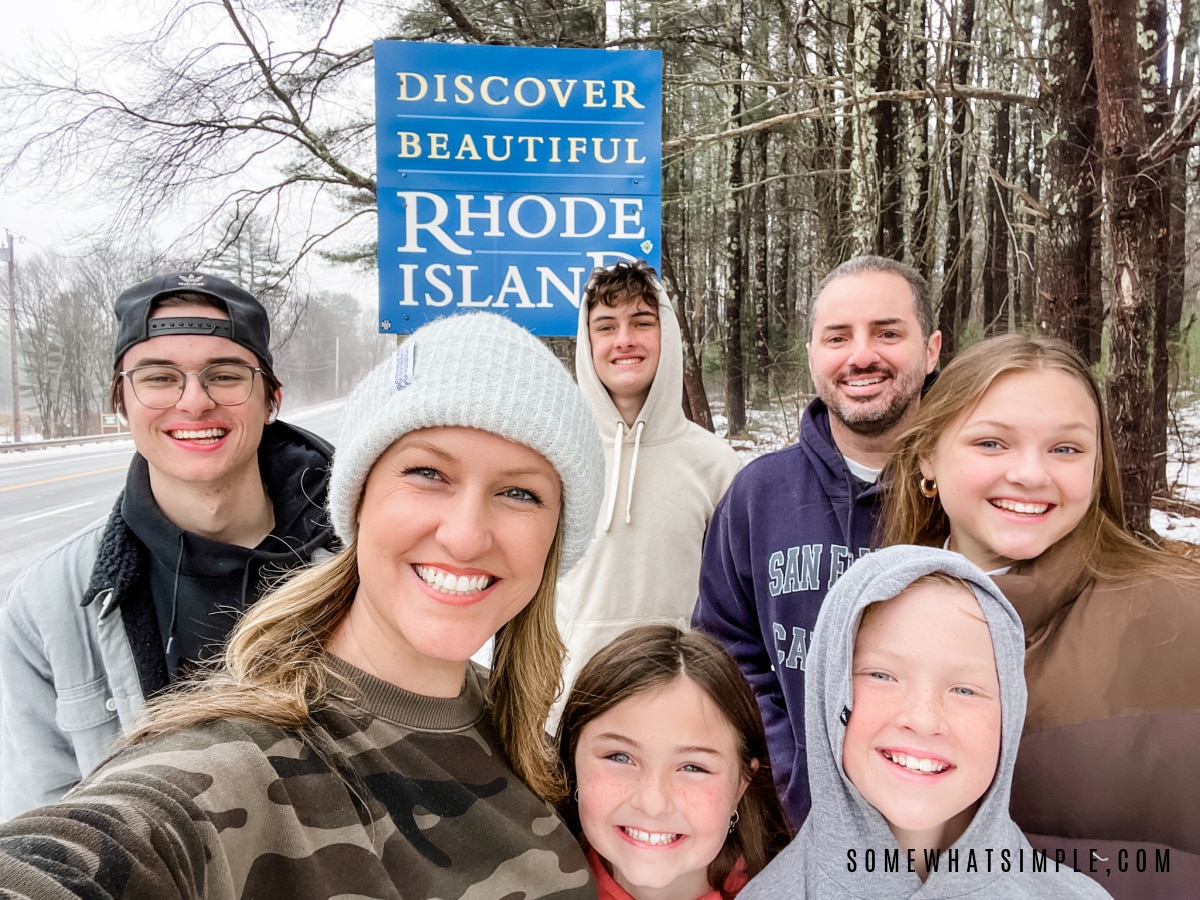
point(1036, 159)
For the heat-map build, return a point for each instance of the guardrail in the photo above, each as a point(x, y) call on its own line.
point(12, 446)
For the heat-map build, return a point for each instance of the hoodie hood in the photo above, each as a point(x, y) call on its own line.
point(842, 820)
point(662, 413)
point(840, 813)
point(660, 419)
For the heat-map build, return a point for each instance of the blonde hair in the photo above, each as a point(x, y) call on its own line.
point(274, 670)
point(1101, 540)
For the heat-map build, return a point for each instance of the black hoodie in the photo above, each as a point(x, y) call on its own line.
point(188, 591)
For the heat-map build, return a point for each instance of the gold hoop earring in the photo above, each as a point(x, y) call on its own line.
point(928, 488)
point(733, 820)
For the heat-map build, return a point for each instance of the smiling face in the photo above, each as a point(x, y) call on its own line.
point(626, 341)
point(453, 533)
point(659, 777)
point(1017, 473)
point(923, 739)
point(867, 356)
point(196, 441)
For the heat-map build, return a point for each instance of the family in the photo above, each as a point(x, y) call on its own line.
point(926, 658)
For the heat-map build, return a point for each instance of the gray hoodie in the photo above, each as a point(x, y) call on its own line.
point(817, 863)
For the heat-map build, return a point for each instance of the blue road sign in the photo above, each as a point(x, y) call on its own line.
point(506, 174)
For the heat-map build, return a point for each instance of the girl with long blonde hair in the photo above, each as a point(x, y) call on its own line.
point(1010, 461)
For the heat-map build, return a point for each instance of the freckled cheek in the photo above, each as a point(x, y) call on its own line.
point(868, 718)
point(708, 809)
point(600, 794)
point(981, 738)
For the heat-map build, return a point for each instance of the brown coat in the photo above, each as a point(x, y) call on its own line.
point(1110, 755)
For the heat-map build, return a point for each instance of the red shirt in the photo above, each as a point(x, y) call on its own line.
point(608, 889)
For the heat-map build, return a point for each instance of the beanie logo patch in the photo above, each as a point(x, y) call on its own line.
point(404, 366)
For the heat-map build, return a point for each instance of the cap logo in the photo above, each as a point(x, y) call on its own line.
point(191, 280)
point(404, 366)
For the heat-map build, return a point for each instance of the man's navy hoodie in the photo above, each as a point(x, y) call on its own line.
point(789, 526)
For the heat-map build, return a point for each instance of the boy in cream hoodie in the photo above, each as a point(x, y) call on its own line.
point(664, 473)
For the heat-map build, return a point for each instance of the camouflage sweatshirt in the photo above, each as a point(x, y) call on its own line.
point(390, 795)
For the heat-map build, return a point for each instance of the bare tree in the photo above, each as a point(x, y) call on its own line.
point(736, 220)
point(258, 124)
point(1065, 306)
point(64, 319)
point(1133, 205)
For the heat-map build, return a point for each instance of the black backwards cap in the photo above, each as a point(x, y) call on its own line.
point(247, 324)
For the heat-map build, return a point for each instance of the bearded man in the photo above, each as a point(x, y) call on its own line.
point(793, 521)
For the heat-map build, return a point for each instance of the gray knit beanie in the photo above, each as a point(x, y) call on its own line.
point(476, 370)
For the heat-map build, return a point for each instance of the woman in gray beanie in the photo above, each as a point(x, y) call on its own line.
point(347, 746)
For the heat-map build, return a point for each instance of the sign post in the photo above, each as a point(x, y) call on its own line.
point(506, 174)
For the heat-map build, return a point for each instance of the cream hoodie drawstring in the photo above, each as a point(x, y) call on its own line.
point(637, 443)
point(615, 475)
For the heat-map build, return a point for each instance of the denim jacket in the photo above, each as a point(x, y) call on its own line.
point(68, 682)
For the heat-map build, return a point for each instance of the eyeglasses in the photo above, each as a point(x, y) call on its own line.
point(160, 387)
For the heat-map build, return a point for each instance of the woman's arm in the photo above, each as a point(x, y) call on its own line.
point(130, 836)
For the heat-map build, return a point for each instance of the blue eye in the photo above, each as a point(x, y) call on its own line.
point(524, 495)
point(619, 757)
point(964, 692)
point(423, 472)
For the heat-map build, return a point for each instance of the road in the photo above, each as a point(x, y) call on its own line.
point(48, 494)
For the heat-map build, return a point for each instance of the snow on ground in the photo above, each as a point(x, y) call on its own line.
point(1183, 474)
point(81, 449)
point(776, 427)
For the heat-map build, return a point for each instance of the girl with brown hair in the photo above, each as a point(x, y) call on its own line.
point(665, 757)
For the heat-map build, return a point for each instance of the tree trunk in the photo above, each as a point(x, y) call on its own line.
point(761, 297)
point(957, 286)
point(923, 241)
point(889, 237)
point(1065, 292)
point(1132, 199)
point(1168, 288)
point(695, 398)
point(996, 294)
point(735, 365)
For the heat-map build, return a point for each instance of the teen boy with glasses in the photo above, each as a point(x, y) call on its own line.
point(220, 499)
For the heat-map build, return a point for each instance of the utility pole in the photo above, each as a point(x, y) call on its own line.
point(12, 339)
